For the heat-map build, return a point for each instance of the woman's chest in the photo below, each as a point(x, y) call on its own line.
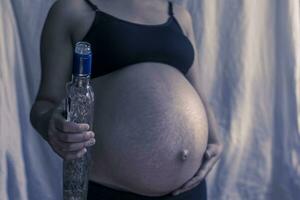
point(117, 43)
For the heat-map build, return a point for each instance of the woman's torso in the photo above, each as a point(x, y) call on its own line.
point(146, 113)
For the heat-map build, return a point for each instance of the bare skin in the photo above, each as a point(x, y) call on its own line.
point(69, 139)
point(151, 129)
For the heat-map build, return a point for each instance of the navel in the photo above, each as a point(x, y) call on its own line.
point(184, 154)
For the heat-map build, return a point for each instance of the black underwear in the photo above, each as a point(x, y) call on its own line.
point(98, 191)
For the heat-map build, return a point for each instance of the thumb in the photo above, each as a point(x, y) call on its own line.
point(210, 152)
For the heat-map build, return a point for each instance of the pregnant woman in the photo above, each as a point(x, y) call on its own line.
point(153, 135)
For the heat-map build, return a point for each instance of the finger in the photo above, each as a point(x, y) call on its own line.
point(211, 159)
point(61, 145)
point(211, 155)
point(75, 137)
point(55, 148)
point(200, 174)
point(56, 144)
point(73, 155)
point(210, 151)
point(187, 188)
point(188, 185)
point(67, 147)
point(66, 126)
point(206, 166)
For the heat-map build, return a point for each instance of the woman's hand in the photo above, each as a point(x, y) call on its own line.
point(68, 139)
point(211, 156)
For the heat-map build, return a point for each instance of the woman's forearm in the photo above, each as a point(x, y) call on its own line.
point(40, 115)
point(213, 128)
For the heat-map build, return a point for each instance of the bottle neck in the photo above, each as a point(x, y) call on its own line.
point(81, 81)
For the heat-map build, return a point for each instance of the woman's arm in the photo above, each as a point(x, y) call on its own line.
point(56, 62)
point(215, 145)
point(68, 139)
point(193, 76)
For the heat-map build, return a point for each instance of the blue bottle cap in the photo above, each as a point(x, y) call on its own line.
point(82, 63)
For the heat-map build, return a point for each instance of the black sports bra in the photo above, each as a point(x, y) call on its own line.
point(117, 43)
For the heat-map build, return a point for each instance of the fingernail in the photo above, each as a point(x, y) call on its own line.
point(92, 141)
point(85, 126)
point(89, 134)
point(92, 134)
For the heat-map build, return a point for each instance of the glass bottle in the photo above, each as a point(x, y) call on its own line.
point(79, 108)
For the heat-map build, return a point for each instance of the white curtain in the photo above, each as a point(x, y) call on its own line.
point(249, 54)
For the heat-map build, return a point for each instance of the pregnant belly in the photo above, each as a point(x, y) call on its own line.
point(151, 129)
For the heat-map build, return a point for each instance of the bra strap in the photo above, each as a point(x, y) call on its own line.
point(170, 8)
point(93, 6)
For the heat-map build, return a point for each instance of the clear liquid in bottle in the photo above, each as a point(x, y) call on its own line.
point(79, 108)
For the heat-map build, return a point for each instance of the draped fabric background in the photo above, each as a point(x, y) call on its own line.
point(249, 54)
